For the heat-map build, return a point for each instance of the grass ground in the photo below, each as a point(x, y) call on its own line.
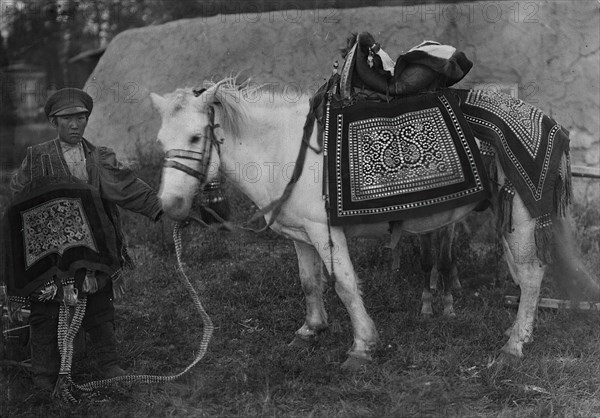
point(249, 285)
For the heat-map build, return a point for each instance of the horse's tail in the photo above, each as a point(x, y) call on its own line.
point(567, 268)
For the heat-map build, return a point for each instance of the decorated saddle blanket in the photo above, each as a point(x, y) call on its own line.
point(55, 231)
point(528, 143)
point(409, 158)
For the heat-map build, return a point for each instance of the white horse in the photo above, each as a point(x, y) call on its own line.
point(253, 137)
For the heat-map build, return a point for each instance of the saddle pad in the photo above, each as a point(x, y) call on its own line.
point(55, 231)
point(529, 143)
point(408, 158)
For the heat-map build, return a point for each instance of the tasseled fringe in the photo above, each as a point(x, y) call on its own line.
point(544, 238)
point(489, 160)
point(90, 284)
point(69, 292)
point(505, 203)
point(214, 198)
point(563, 190)
point(14, 309)
point(47, 291)
point(70, 295)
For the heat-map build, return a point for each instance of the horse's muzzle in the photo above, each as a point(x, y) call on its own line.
point(175, 207)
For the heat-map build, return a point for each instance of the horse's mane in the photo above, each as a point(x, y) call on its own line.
point(227, 94)
point(236, 98)
point(232, 98)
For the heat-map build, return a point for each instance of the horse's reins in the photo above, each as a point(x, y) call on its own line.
point(69, 325)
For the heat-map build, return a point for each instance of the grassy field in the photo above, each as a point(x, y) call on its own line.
point(249, 285)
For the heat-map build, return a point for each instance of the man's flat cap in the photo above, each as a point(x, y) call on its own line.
point(68, 101)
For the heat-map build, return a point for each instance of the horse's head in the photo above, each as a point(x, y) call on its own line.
point(189, 137)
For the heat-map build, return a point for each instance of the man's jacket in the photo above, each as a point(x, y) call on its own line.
point(43, 186)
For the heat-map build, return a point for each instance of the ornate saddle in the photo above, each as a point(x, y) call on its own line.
point(427, 67)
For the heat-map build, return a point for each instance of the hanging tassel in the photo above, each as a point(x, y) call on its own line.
point(15, 311)
point(214, 198)
point(563, 190)
point(568, 180)
point(505, 203)
point(47, 292)
point(560, 201)
point(489, 161)
point(70, 294)
point(544, 238)
point(90, 284)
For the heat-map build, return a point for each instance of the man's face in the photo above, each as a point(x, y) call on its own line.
point(70, 128)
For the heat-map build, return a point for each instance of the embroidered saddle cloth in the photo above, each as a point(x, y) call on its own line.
point(529, 145)
point(408, 158)
point(54, 231)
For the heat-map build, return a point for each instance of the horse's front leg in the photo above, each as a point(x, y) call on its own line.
point(312, 280)
point(333, 249)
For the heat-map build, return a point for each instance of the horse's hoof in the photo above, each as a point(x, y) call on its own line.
point(449, 313)
point(426, 311)
point(507, 359)
point(303, 342)
point(356, 363)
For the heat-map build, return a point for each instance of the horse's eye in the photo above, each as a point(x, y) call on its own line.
point(195, 139)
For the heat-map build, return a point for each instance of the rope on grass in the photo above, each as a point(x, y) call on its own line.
point(67, 332)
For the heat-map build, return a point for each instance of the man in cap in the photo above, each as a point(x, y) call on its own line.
point(67, 254)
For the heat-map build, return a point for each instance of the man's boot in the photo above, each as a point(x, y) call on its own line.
point(45, 357)
point(105, 343)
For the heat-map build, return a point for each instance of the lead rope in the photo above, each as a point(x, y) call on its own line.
point(67, 332)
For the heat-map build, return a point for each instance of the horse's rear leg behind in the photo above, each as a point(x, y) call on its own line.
point(438, 245)
point(527, 272)
point(446, 268)
point(312, 279)
point(427, 255)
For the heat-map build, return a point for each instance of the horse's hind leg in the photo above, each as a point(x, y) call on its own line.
point(426, 258)
point(313, 281)
point(527, 271)
point(446, 268)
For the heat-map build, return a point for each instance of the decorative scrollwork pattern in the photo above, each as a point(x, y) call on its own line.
point(408, 153)
point(54, 227)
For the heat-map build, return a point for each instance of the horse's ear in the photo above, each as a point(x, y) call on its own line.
point(159, 102)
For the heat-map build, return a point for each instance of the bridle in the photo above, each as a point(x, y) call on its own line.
point(201, 157)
